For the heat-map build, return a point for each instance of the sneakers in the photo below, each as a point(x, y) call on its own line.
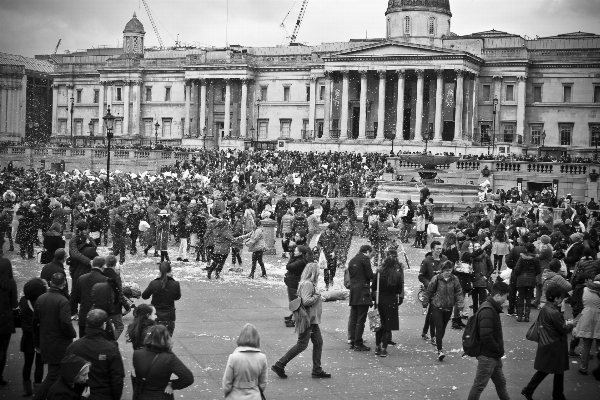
point(441, 355)
point(573, 353)
point(377, 350)
point(433, 341)
point(320, 374)
point(424, 336)
point(456, 326)
point(279, 371)
point(528, 396)
point(290, 324)
point(287, 318)
point(383, 353)
point(361, 347)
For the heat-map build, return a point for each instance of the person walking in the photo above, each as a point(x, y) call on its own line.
point(223, 240)
point(311, 301)
point(390, 284)
point(163, 226)
point(294, 269)
point(81, 295)
point(52, 330)
point(246, 373)
point(526, 270)
point(120, 233)
point(551, 356)
point(588, 327)
point(57, 264)
point(482, 272)
point(255, 240)
point(114, 291)
point(32, 290)
point(74, 374)
point(329, 244)
point(444, 291)
point(106, 370)
point(53, 240)
point(430, 267)
point(164, 291)
point(144, 317)
point(8, 303)
point(491, 344)
point(361, 275)
point(156, 363)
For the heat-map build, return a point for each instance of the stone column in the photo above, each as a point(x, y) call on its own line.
point(109, 95)
point(458, 115)
point(312, 105)
point(400, 105)
point(101, 111)
point(227, 120)
point(188, 99)
point(135, 115)
point(497, 94)
point(70, 121)
point(54, 108)
point(202, 118)
point(520, 107)
point(362, 125)
point(381, 106)
point(327, 105)
point(475, 105)
point(269, 226)
point(244, 108)
point(439, 104)
point(126, 100)
point(344, 114)
point(419, 107)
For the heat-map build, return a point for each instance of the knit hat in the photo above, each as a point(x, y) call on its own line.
point(576, 237)
point(554, 265)
point(545, 239)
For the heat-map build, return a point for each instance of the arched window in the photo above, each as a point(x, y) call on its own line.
point(431, 26)
point(407, 25)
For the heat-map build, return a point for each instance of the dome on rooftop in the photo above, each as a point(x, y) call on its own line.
point(134, 26)
point(441, 6)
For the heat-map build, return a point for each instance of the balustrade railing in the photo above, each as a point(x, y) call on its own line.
point(468, 165)
point(370, 134)
point(508, 166)
point(59, 152)
point(40, 152)
point(100, 153)
point(181, 156)
point(78, 152)
point(165, 155)
point(17, 150)
point(141, 154)
point(334, 133)
point(307, 134)
point(573, 169)
point(543, 168)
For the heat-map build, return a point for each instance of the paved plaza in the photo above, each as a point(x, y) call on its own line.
point(211, 314)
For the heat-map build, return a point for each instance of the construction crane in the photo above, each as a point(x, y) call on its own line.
point(162, 46)
point(298, 22)
point(56, 48)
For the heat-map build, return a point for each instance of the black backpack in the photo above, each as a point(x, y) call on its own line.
point(470, 338)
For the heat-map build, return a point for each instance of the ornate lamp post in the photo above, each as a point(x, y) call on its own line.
point(595, 136)
point(392, 137)
point(494, 125)
point(204, 137)
point(91, 128)
point(109, 121)
point(156, 126)
point(543, 138)
point(72, 105)
point(252, 137)
point(426, 138)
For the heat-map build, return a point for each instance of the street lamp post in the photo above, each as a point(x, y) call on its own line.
point(427, 137)
point(204, 137)
point(596, 141)
point(252, 137)
point(156, 126)
point(543, 137)
point(72, 105)
point(109, 121)
point(392, 137)
point(494, 125)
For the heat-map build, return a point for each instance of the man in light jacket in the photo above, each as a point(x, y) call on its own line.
point(361, 275)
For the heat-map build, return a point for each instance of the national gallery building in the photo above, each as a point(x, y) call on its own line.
point(463, 94)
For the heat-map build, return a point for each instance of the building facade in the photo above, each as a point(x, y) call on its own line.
point(466, 94)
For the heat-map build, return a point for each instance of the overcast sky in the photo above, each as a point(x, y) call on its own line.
point(30, 27)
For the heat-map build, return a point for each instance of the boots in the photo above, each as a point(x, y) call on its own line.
point(527, 312)
point(519, 314)
point(36, 387)
point(251, 276)
point(456, 323)
point(27, 389)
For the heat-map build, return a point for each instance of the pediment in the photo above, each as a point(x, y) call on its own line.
point(394, 50)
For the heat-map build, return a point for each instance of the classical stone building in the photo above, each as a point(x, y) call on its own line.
point(467, 93)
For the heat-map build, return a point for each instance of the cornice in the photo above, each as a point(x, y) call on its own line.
point(440, 57)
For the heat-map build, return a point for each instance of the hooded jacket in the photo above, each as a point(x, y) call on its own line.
point(490, 329)
point(429, 268)
point(551, 278)
point(63, 388)
point(585, 266)
point(223, 237)
point(443, 293)
point(527, 268)
point(482, 269)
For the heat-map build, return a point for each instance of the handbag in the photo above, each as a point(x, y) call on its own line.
point(138, 382)
point(537, 333)
point(374, 317)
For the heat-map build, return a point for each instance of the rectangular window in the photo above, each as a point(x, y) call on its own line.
point(263, 93)
point(486, 92)
point(96, 96)
point(62, 127)
point(166, 127)
point(596, 93)
point(537, 94)
point(148, 127)
point(284, 130)
point(595, 135)
point(78, 99)
point(319, 128)
point(510, 92)
point(148, 93)
point(536, 134)
point(78, 127)
point(118, 128)
point(322, 93)
point(223, 93)
point(286, 93)
point(168, 94)
point(486, 133)
point(566, 131)
point(509, 131)
point(263, 129)
point(119, 94)
point(567, 93)
point(307, 93)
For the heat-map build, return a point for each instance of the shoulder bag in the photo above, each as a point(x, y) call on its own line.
point(538, 333)
point(138, 382)
point(374, 317)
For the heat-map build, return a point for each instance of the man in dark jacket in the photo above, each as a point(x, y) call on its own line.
point(56, 265)
point(82, 291)
point(115, 291)
point(361, 275)
point(430, 267)
point(489, 360)
point(511, 261)
point(77, 244)
point(574, 252)
point(74, 372)
point(52, 330)
point(329, 243)
point(281, 208)
point(107, 372)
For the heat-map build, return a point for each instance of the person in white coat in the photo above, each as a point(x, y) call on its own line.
point(246, 374)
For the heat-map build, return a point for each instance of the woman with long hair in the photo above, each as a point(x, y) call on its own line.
point(390, 284)
point(155, 363)
point(526, 270)
point(500, 246)
point(311, 301)
point(53, 240)
point(450, 248)
point(164, 291)
point(8, 302)
point(245, 375)
point(295, 267)
point(144, 316)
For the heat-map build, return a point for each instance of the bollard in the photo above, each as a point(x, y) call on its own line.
point(269, 226)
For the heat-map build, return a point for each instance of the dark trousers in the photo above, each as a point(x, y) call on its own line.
point(329, 272)
point(558, 386)
point(358, 316)
point(498, 262)
point(81, 331)
point(119, 249)
point(38, 375)
point(479, 295)
point(235, 255)
point(51, 377)
point(4, 342)
point(210, 251)
point(164, 255)
point(257, 257)
point(429, 325)
point(487, 368)
point(512, 298)
point(440, 318)
point(26, 247)
point(312, 333)
point(218, 262)
point(525, 294)
point(383, 337)
point(134, 237)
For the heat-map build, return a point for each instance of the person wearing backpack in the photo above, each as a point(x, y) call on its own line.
point(488, 345)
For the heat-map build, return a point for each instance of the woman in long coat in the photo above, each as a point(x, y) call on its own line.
point(526, 270)
point(390, 283)
point(163, 225)
point(588, 327)
point(552, 355)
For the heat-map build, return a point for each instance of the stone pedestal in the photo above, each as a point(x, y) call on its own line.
point(269, 226)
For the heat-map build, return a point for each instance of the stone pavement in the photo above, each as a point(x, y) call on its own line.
point(211, 314)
